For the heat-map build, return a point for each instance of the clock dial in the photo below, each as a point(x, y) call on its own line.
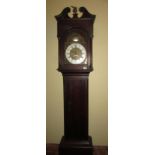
point(75, 53)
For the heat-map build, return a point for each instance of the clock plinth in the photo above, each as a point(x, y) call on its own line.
point(76, 147)
point(75, 63)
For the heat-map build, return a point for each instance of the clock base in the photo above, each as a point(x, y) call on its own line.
point(76, 147)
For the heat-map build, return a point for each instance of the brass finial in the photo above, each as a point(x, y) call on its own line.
point(75, 15)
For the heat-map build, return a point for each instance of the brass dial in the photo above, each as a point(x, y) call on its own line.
point(75, 53)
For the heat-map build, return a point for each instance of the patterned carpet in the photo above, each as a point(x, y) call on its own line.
point(52, 149)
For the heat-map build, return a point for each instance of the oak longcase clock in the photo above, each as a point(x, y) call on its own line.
point(75, 34)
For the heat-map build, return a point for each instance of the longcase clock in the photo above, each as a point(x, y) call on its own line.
point(75, 34)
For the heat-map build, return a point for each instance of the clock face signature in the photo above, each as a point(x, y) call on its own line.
point(75, 53)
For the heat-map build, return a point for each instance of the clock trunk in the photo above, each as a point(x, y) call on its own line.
point(76, 106)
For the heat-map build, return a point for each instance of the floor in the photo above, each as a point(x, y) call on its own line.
point(52, 149)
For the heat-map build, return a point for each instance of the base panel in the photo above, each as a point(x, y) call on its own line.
point(76, 147)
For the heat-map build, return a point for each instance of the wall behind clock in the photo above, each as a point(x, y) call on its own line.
point(98, 83)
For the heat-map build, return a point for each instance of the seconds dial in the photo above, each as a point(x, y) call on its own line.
point(75, 53)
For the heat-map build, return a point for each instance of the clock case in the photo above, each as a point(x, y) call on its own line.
point(83, 26)
point(76, 140)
